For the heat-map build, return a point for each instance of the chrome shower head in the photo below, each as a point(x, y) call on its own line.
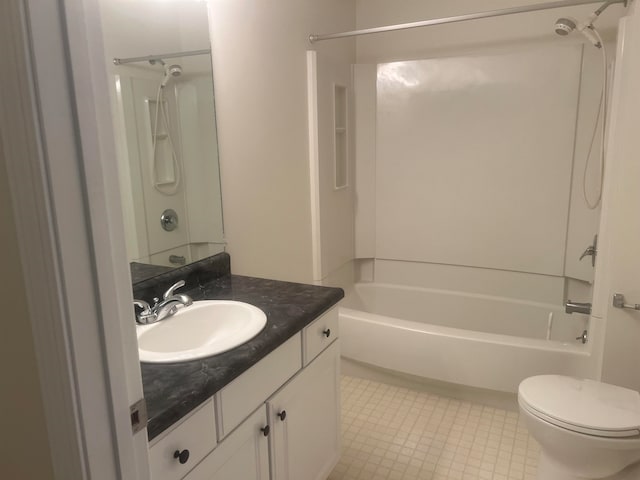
point(564, 26)
point(174, 70)
point(170, 71)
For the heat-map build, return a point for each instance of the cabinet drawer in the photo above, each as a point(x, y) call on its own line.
point(197, 434)
point(242, 396)
point(319, 335)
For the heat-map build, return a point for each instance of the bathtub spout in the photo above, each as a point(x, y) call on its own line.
point(577, 307)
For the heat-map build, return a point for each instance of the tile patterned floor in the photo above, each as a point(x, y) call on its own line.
point(396, 433)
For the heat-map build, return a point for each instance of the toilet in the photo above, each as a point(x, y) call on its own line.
point(586, 429)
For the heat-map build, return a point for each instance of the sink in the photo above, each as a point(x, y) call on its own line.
point(203, 329)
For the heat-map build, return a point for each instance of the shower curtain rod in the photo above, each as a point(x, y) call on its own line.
point(162, 56)
point(460, 18)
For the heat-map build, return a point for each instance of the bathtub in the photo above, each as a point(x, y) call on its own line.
point(476, 340)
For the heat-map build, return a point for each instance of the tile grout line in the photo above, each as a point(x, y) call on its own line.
point(428, 437)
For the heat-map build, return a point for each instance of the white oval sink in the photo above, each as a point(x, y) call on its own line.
point(206, 328)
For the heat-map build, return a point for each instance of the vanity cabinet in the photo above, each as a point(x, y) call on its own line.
point(305, 421)
point(174, 454)
point(280, 420)
point(243, 455)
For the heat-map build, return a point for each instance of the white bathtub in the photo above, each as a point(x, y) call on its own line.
point(469, 339)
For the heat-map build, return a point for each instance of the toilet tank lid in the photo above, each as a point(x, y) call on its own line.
point(588, 404)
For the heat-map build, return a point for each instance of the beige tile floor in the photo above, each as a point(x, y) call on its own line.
point(397, 433)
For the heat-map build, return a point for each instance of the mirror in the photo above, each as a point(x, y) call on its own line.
point(165, 128)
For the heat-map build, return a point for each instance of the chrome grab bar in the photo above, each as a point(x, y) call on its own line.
point(619, 302)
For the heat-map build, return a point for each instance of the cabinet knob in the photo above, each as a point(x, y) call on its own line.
point(327, 332)
point(282, 415)
point(182, 456)
point(265, 430)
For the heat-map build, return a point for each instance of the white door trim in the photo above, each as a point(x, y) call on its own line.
point(56, 140)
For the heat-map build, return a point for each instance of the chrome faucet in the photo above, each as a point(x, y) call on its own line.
point(577, 307)
point(147, 315)
point(162, 309)
point(591, 251)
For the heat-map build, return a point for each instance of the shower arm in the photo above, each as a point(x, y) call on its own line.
point(461, 18)
point(156, 58)
point(604, 6)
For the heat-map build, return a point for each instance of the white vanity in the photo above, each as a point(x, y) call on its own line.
point(278, 420)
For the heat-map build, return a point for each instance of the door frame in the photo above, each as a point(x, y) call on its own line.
point(57, 142)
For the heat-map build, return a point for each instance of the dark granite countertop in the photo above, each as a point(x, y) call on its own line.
point(144, 271)
point(173, 390)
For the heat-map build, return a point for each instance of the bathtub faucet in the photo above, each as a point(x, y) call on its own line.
point(577, 307)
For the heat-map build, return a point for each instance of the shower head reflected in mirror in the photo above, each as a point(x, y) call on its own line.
point(171, 71)
point(566, 25)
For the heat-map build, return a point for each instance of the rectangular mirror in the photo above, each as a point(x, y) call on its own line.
point(165, 127)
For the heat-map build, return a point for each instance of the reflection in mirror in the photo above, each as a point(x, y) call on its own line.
point(164, 116)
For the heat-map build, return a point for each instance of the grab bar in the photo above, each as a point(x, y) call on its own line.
point(619, 302)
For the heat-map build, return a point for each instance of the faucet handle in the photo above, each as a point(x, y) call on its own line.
point(592, 250)
point(143, 305)
point(173, 288)
point(147, 315)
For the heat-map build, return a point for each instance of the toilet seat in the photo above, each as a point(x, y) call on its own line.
point(582, 406)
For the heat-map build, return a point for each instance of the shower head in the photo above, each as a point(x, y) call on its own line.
point(564, 26)
point(170, 71)
point(174, 70)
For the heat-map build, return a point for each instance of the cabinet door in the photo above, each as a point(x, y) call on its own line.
point(305, 421)
point(243, 455)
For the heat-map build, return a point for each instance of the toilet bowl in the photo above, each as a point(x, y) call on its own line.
point(586, 429)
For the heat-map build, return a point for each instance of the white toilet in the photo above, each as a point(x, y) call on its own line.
point(586, 429)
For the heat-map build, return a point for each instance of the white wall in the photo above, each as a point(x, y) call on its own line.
point(584, 221)
point(259, 55)
point(24, 445)
point(196, 111)
point(619, 262)
point(139, 92)
point(492, 36)
point(135, 28)
point(365, 81)
point(474, 158)
point(335, 204)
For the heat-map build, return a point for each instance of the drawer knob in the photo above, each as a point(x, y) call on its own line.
point(282, 415)
point(327, 332)
point(265, 430)
point(182, 456)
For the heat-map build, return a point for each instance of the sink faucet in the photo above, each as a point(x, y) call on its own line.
point(162, 309)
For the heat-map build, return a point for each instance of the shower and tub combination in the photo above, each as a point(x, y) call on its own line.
point(467, 336)
point(168, 158)
point(458, 337)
